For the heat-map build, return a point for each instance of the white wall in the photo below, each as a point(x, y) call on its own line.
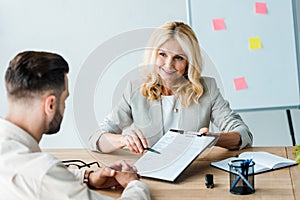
point(74, 28)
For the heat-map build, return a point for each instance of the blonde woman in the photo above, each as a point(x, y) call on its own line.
point(174, 95)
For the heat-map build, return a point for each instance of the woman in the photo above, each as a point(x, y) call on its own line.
point(174, 95)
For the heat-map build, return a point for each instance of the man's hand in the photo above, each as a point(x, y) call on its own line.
point(125, 173)
point(119, 173)
point(103, 178)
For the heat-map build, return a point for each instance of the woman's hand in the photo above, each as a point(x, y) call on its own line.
point(135, 141)
point(229, 140)
point(205, 131)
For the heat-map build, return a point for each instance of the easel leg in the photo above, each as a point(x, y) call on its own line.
point(289, 117)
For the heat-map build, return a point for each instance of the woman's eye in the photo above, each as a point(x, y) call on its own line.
point(162, 54)
point(179, 58)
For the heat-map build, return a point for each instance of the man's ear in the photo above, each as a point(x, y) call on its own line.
point(50, 104)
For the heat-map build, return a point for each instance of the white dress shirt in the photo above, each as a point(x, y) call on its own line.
point(28, 173)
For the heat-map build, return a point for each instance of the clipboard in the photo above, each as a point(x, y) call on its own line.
point(177, 150)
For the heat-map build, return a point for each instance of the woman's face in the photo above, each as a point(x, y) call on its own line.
point(171, 61)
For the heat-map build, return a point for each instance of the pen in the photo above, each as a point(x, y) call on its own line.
point(235, 182)
point(152, 150)
point(177, 131)
point(188, 132)
point(246, 165)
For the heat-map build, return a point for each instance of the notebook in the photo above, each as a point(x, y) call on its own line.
point(264, 161)
point(172, 154)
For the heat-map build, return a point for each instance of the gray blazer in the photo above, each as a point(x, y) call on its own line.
point(136, 111)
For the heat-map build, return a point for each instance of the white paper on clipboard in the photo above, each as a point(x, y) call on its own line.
point(177, 151)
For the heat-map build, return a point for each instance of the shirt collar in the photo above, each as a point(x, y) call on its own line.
point(12, 131)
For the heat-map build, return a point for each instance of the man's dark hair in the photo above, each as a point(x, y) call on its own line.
point(31, 73)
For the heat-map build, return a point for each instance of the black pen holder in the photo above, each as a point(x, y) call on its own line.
point(241, 176)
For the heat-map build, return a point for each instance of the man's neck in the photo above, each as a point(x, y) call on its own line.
point(27, 119)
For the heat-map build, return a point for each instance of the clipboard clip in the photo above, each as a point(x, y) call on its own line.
point(188, 132)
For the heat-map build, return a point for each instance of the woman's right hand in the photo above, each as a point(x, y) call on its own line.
point(135, 141)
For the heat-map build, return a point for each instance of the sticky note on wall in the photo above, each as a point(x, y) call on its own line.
point(254, 43)
point(240, 83)
point(219, 24)
point(261, 8)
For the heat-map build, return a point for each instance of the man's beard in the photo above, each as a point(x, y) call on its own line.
point(54, 126)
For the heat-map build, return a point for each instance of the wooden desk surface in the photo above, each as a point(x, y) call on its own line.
point(278, 184)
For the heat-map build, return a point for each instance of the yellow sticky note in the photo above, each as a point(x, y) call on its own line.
point(254, 43)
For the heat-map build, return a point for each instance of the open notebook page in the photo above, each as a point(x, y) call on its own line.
point(267, 160)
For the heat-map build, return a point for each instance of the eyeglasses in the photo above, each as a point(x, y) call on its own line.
point(78, 164)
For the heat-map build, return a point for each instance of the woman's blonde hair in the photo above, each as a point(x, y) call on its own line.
point(189, 87)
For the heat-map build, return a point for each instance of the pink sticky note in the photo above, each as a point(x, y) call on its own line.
point(261, 8)
point(240, 83)
point(219, 24)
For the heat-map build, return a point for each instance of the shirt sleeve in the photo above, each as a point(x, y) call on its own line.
point(61, 183)
point(119, 118)
point(226, 119)
point(136, 190)
point(78, 173)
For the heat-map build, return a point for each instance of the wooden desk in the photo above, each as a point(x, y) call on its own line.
point(278, 184)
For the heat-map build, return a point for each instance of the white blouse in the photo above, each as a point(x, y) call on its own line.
point(170, 110)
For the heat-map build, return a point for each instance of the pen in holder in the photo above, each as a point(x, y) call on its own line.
point(241, 176)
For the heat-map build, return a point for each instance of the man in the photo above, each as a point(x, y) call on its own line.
point(37, 87)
